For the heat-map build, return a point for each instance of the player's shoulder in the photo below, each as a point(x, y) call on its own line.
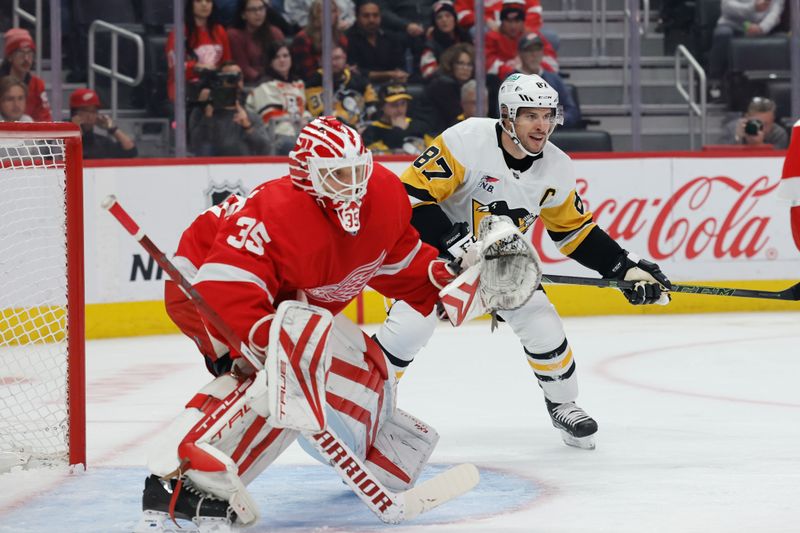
point(385, 182)
point(470, 138)
point(277, 200)
point(558, 163)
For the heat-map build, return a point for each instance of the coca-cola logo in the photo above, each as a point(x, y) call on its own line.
point(707, 214)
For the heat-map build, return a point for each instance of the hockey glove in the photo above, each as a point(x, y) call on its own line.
point(652, 285)
point(442, 272)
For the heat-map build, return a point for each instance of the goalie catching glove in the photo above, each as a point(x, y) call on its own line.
point(652, 286)
point(504, 278)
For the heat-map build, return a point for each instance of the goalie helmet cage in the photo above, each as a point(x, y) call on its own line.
point(42, 381)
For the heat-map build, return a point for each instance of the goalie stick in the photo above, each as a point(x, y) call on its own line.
point(390, 507)
point(790, 294)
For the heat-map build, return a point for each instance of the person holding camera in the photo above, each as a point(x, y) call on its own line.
point(757, 127)
point(84, 106)
point(206, 45)
point(220, 125)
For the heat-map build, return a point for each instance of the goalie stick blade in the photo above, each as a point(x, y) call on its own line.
point(440, 489)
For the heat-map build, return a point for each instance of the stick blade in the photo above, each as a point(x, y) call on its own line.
point(794, 292)
point(440, 489)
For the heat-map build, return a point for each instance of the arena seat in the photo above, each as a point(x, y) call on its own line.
point(582, 140)
point(115, 12)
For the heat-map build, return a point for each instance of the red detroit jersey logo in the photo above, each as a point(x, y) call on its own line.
point(350, 286)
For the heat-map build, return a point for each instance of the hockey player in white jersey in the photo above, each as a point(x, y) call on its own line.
point(508, 167)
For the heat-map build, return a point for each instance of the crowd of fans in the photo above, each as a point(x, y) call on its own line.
point(403, 70)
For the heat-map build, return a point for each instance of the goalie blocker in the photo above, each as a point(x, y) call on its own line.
point(233, 428)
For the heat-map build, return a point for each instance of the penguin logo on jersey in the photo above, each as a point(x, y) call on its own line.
point(487, 183)
point(519, 215)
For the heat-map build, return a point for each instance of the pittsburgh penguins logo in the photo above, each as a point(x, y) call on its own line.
point(519, 215)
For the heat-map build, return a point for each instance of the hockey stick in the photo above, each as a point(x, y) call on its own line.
point(390, 507)
point(791, 294)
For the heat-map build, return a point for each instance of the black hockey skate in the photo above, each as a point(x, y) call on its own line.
point(577, 428)
point(209, 514)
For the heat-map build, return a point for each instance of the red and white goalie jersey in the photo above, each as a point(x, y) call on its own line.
point(279, 243)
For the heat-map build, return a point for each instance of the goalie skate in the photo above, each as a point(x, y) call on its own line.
point(577, 428)
point(207, 513)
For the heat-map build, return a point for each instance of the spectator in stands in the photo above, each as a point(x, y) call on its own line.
point(206, 45)
point(444, 90)
point(84, 106)
point(376, 53)
point(307, 44)
point(221, 125)
point(491, 13)
point(469, 100)
point(18, 62)
point(394, 131)
point(531, 54)
point(409, 19)
point(226, 11)
point(13, 94)
point(502, 46)
point(280, 100)
point(250, 38)
point(297, 11)
point(444, 33)
point(757, 128)
point(749, 18)
point(355, 100)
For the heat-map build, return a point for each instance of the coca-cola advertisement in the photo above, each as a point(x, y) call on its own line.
point(700, 218)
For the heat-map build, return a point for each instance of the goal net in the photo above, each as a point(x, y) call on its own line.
point(41, 296)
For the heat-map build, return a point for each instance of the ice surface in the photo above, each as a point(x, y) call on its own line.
point(698, 420)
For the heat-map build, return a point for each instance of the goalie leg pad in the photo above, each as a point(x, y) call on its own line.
point(217, 439)
point(401, 451)
point(360, 390)
point(541, 332)
point(297, 363)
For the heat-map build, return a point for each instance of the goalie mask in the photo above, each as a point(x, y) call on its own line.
point(330, 162)
point(527, 90)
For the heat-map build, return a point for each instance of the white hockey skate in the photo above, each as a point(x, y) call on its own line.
point(577, 428)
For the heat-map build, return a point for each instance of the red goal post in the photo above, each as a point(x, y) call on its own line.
point(42, 379)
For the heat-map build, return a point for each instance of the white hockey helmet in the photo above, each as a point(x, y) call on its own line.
point(330, 162)
point(527, 90)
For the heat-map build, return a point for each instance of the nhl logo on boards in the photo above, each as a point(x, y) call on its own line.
point(216, 193)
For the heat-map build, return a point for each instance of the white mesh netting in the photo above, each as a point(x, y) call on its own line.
point(34, 425)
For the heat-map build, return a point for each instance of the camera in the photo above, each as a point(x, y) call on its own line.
point(753, 127)
point(224, 88)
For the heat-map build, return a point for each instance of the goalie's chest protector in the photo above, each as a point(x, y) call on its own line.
point(465, 173)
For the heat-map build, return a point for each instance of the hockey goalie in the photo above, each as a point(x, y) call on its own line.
point(278, 267)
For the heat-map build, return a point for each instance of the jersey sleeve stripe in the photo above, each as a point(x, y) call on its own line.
point(559, 236)
point(185, 267)
point(419, 194)
point(568, 245)
point(223, 272)
point(394, 268)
